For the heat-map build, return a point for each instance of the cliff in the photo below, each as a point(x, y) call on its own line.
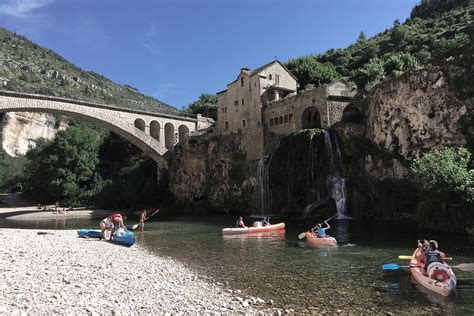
point(395, 123)
point(210, 173)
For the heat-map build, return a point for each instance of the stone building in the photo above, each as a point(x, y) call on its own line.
point(265, 102)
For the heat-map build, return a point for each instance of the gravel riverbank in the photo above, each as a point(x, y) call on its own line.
point(57, 272)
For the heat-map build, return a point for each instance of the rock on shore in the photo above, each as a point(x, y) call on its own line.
point(58, 272)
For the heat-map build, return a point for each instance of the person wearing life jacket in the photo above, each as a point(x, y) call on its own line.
point(112, 222)
point(240, 223)
point(432, 254)
point(320, 231)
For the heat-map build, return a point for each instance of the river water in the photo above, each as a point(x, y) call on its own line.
point(299, 276)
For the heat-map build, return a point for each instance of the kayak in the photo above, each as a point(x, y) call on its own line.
point(251, 230)
point(326, 241)
point(122, 238)
point(442, 281)
point(271, 235)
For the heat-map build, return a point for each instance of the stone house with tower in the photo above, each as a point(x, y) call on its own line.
point(265, 101)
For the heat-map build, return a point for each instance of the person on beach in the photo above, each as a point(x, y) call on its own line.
point(143, 218)
point(112, 223)
point(240, 223)
point(320, 231)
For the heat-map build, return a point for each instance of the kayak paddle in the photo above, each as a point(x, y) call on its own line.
point(462, 266)
point(409, 257)
point(303, 235)
point(137, 225)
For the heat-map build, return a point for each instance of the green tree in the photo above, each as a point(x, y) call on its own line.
point(397, 64)
point(371, 74)
point(11, 171)
point(445, 173)
point(66, 168)
point(206, 104)
point(309, 71)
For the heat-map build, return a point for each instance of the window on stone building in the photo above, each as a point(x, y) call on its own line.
point(243, 123)
point(236, 102)
point(271, 122)
point(280, 120)
point(243, 102)
point(290, 117)
point(226, 125)
point(286, 118)
point(270, 76)
point(242, 81)
point(277, 79)
point(276, 121)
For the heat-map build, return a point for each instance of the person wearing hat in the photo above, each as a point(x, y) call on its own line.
point(431, 254)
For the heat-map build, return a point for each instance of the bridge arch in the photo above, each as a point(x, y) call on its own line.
point(183, 133)
point(120, 121)
point(140, 124)
point(155, 130)
point(169, 135)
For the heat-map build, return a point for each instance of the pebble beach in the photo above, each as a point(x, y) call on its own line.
point(55, 272)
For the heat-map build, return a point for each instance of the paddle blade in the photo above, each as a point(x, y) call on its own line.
point(135, 226)
point(390, 266)
point(409, 257)
point(465, 266)
point(302, 235)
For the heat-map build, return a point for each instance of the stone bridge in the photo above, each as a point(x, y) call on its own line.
point(153, 133)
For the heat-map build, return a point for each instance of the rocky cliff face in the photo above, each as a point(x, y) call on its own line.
point(19, 131)
point(398, 121)
point(212, 173)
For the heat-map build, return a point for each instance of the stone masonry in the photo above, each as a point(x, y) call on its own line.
point(153, 133)
point(265, 102)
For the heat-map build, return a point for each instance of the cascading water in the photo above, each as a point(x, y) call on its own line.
point(336, 183)
point(263, 182)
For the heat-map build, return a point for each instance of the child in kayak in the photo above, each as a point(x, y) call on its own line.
point(320, 231)
point(240, 223)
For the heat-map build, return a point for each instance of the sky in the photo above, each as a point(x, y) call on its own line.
point(174, 50)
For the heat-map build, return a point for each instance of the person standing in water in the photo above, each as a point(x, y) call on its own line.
point(143, 218)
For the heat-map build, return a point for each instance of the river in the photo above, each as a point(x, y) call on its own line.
point(299, 276)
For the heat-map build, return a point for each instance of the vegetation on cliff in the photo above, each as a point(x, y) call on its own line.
point(206, 104)
point(445, 175)
point(34, 69)
point(436, 29)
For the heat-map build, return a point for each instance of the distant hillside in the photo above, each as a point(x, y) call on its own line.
point(436, 30)
point(34, 69)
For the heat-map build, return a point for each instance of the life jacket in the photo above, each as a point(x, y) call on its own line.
point(114, 216)
point(431, 257)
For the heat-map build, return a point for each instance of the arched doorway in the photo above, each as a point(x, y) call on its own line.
point(311, 118)
point(169, 135)
point(140, 124)
point(183, 133)
point(155, 130)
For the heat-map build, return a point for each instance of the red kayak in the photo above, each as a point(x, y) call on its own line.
point(325, 241)
point(251, 230)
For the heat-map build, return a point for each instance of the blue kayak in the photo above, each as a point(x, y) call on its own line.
point(122, 238)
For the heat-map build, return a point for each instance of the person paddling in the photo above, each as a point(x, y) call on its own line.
point(320, 230)
point(429, 253)
point(240, 223)
point(112, 222)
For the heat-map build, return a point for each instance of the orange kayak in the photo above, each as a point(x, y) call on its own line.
point(447, 280)
point(325, 241)
point(251, 230)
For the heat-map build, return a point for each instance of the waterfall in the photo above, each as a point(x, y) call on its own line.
point(263, 182)
point(335, 182)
